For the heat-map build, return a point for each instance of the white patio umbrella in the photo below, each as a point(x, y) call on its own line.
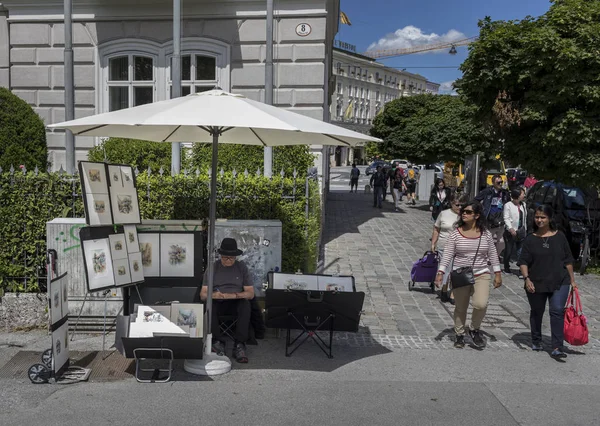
point(214, 117)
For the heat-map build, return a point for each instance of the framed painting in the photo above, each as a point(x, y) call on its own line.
point(189, 317)
point(125, 206)
point(93, 176)
point(60, 347)
point(118, 247)
point(98, 264)
point(131, 238)
point(65, 297)
point(55, 299)
point(327, 283)
point(114, 176)
point(295, 282)
point(97, 209)
point(121, 271)
point(127, 177)
point(136, 270)
point(176, 255)
point(150, 252)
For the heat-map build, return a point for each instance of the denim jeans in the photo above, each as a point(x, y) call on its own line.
point(557, 301)
point(512, 246)
point(377, 196)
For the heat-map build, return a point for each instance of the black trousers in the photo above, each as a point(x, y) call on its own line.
point(240, 308)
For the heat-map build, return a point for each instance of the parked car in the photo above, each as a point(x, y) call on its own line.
point(403, 163)
point(575, 209)
point(373, 166)
point(439, 170)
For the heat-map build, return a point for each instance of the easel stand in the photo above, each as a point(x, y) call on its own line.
point(309, 329)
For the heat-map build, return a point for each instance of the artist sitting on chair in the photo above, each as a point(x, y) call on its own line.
point(232, 292)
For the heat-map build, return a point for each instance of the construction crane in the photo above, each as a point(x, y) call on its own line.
point(390, 53)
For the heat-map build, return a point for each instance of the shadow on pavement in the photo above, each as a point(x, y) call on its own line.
point(523, 341)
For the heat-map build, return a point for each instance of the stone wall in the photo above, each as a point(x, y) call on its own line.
point(23, 311)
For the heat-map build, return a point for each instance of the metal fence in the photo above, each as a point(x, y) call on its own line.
point(24, 232)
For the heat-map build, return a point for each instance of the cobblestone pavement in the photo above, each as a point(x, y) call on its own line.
point(378, 247)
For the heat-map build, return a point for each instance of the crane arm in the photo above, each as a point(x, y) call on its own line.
point(388, 53)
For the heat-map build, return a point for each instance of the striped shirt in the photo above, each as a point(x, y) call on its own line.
point(462, 249)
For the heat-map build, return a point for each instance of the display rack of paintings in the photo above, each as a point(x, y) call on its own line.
point(59, 325)
point(110, 194)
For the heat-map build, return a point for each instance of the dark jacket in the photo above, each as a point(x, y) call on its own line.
point(434, 200)
point(485, 198)
point(378, 179)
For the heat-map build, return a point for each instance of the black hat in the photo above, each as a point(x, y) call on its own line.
point(229, 247)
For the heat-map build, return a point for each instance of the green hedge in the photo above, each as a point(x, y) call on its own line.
point(28, 201)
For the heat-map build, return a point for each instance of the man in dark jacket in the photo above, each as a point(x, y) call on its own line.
point(377, 182)
point(493, 200)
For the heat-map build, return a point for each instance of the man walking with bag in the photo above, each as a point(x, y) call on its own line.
point(493, 200)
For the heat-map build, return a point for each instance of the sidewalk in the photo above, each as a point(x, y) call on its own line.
point(379, 247)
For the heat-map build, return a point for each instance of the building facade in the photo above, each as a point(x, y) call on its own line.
point(433, 88)
point(362, 87)
point(123, 50)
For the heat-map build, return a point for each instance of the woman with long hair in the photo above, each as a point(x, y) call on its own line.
point(398, 187)
point(439, 199)
point(546, 264)
point(443, 227)
point(470, 245)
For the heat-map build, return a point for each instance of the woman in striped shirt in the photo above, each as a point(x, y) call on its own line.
point(470, 244)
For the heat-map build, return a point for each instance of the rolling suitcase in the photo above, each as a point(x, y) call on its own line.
point(424, 270)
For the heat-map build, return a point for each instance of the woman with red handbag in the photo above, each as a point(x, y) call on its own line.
point(546, 264)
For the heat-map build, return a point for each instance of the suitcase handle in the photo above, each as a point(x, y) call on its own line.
point(316, 299)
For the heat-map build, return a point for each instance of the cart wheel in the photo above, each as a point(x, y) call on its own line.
point(38, 374)
point(410, 285)
point(47, 358)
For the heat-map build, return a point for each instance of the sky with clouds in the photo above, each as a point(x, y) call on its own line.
point(383, 24)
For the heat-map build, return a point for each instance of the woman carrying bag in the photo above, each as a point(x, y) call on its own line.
point(439, 199)
point(546, 263)
point(472, 248)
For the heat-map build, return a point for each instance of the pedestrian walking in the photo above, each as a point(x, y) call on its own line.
point(493, 199)
point(470, 245)
point(399, 187)
point(439, 199)
point(443, 227)
point(546, 263)
point(377, 182)
point(515, 224)
point(354, 174)
point(411, 186)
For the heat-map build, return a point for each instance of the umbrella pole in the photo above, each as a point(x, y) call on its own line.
point(212, 218)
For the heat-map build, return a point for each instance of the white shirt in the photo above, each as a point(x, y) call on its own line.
point(445, 223)
point(511, 216)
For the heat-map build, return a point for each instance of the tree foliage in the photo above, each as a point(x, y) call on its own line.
point(22, 134)
point(137, 153)
point(428, 128)
point(242, 157)
point(537, 83)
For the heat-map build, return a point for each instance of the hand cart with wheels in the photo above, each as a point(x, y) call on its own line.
point(424, 270)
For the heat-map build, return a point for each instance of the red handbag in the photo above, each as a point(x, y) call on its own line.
point(576, 329)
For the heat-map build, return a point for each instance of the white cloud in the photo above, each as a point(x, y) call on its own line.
point(446, 88)
point(411, 36)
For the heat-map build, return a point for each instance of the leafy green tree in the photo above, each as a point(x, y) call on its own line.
point(22, 134)
point(242, 157)
point(138, 153)
point(428, 128)
point(536, 82)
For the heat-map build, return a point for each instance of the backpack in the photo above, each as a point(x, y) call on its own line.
point(411, 174)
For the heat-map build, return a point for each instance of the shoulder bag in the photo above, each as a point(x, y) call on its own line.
point(464, 276)
point(575, 327)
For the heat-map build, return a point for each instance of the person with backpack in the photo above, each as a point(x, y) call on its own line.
point(398, 187)
point(493, 199)
point(411, 186)
point(515, 223)
point(378, 182)
point(354, 174)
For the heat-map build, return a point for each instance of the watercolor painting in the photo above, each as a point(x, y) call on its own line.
point(146, 249)
point(189, 317)
point(131, 237)
point(99, 206)
point(149, 244)
point(99, 262)
point(121, 270)
point(177, 254)
point(95, 175)
point(135, 267)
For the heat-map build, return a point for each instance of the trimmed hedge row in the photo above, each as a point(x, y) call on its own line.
point(28, 201)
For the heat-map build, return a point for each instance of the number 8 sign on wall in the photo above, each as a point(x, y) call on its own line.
point(303, 30)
